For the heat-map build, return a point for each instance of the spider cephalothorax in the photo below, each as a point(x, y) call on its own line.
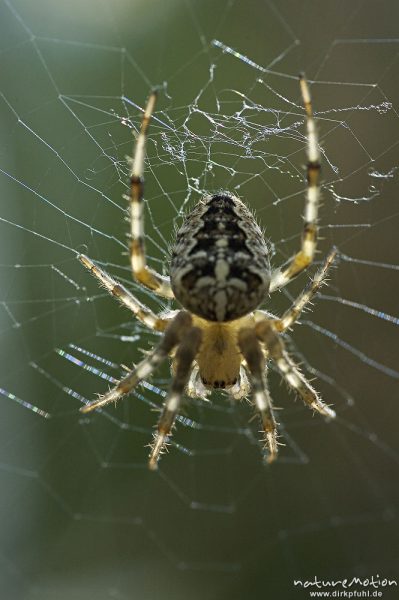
point(220, 274)
point(220, 267)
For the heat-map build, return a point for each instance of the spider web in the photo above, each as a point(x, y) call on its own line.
point(80, 514)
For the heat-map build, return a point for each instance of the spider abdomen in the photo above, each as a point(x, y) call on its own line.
point(220, 266)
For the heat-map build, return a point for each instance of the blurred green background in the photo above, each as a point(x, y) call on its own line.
point(80, 515)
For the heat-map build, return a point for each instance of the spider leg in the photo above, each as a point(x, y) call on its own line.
point(252, 352)
point(142, 273)
point(267, 334)
point(292, 314)
point(185, 355)
point(304, 257)
point(171, 338)
point(144, 314)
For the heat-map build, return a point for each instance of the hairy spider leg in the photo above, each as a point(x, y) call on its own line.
point(126, 298)
point(252, 352)
point(184, 358)
point(142, 273)
point(170, 339)
point(320, 278)
point(291, 315)
point(267, 334)
point(305, 256)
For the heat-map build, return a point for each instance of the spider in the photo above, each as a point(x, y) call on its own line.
point(220, 274)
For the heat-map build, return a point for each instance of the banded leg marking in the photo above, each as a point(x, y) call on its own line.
point(289, 371)
point(142, 273)
point(171, 338)
point(252, 352)
point(305, 256)
point(293, 313)
point(144, 314)
point(185, 356)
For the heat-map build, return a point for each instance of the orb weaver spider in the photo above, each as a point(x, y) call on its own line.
point(220, 274)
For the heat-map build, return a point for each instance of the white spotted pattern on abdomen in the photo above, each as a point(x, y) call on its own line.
point(220, 266)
